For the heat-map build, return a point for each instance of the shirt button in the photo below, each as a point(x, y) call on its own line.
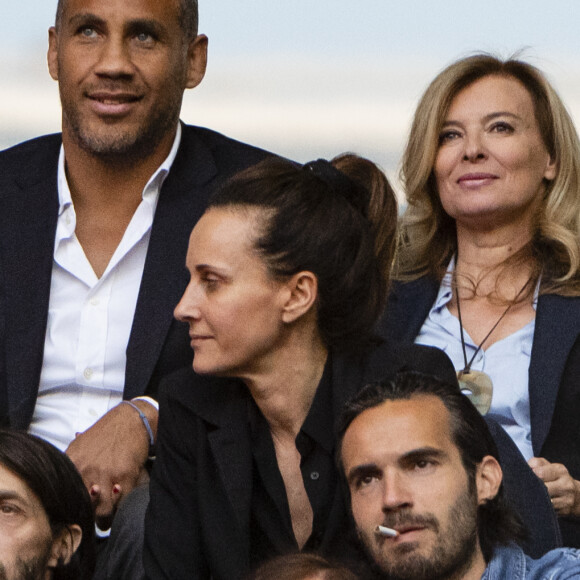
point(314, 475)
point(94, 301)
point(92, 413)
point(88, 373)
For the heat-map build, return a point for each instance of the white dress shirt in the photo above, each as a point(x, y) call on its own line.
point(506, 361)
point(90, 318)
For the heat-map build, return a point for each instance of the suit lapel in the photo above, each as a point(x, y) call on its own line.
point(230, 445)
point(556, 316)
point(28, 216)
point(182, 201)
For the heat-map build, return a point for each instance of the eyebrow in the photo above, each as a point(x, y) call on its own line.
point(487, 118)
point(409, 457)
point(360, 470)
point(132, 26)
point(219, 270)
point(84, 18)
point(145, 25)
point(422, 453)
point(5, 494)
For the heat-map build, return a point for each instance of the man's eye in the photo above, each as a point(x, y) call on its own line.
point(8, 509)
point(364, 481)
point(88, 32)
point(145, 38)
point(423, 465)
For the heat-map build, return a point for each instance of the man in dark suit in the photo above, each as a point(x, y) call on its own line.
point(95, 225)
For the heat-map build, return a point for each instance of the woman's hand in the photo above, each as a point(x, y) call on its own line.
point(563, 489)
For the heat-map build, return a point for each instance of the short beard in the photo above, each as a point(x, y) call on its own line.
point(125, 149)
point(33, 569)
point(450, 557)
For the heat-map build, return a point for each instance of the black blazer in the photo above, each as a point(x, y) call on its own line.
point(28, 217)
point(554, 375)
point(198, 520)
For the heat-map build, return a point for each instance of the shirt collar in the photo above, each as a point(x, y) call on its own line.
point(506, 562)
point(445, 292)
point(150, 191)
point(319, 422)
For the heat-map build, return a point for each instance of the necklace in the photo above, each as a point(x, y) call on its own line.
point(477, 385)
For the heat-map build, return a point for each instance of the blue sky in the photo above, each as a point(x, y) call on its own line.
point(312, 78)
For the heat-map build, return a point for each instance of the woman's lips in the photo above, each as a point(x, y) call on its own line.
point(197, 339)
point(473, 180)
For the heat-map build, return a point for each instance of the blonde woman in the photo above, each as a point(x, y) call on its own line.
point(490, 259)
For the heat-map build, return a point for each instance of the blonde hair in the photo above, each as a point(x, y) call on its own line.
point(428, 233)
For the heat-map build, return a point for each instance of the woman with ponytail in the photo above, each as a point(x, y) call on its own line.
point(289, 272)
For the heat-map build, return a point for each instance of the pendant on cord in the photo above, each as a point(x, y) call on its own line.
point(477, 386)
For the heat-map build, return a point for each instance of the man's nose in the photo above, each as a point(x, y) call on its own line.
point(396, 492)
point(115, 58)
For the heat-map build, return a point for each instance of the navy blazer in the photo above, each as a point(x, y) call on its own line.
point(554, 374)
point(28, 218)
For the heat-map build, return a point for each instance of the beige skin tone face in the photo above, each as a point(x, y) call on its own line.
point(232, 305)
point(26, 539)
point(404, 472)
point(492, 162)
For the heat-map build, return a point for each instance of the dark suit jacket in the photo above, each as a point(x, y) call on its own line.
point(28, 218)
point(198, 520)
point(554, 375)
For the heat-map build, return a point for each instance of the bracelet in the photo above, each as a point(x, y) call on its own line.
point(147, 426)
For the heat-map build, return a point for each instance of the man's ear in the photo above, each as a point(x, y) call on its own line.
point(197, 60)
point(52, 54)
point(488, 479)
point(300, 296)
point(65, 545)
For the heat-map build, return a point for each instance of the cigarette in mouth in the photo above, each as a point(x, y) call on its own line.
point(388, 532)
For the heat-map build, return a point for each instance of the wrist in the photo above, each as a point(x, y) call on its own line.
point(576, 506)
point(148, 416)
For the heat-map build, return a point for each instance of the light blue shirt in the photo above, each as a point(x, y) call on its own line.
point(510, 563)
point(506, 362)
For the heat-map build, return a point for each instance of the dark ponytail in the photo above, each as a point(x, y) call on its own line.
point(335, 219)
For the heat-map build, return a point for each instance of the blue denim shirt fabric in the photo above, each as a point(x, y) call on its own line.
point(510, 563)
